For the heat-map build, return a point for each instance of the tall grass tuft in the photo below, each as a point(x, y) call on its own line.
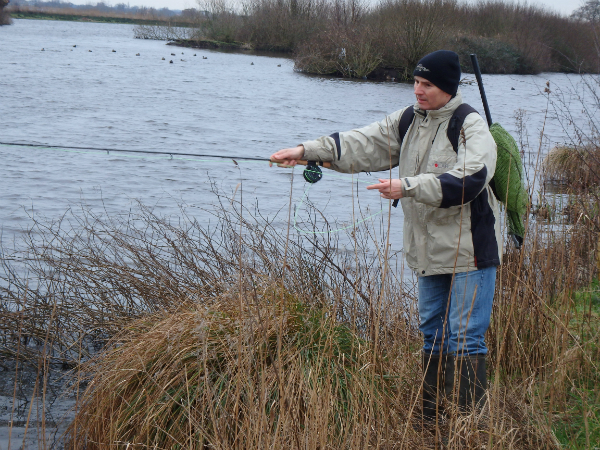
point(574, 166)
point(253, 370)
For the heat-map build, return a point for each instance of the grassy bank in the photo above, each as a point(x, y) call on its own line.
point(579, 427)
point(350, 39)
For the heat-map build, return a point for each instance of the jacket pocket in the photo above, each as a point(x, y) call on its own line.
point(441, 163)
point(443, 216)
point(442, 243)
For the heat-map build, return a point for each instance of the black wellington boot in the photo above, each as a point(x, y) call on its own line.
point(433, 386)
point(472, 382)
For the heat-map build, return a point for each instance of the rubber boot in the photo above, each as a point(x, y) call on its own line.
point(433, 386)
point(472, 383)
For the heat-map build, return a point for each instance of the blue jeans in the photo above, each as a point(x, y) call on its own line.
point(456, 322)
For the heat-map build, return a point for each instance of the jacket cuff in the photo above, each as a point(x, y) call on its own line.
point(408, 186)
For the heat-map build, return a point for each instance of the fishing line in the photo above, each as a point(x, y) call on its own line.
point(69, 149)
point(299, 230)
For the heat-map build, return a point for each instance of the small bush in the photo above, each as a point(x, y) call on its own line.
point(344, 52)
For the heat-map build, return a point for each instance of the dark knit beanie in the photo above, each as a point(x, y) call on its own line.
point(442, 68)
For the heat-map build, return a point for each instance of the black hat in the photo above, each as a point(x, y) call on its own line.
point(442, 68)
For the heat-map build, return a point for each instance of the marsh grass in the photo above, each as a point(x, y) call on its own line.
point(263, 373)
point(575, 166)
point(234, 337)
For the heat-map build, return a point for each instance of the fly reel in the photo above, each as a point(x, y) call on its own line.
point(312, 173)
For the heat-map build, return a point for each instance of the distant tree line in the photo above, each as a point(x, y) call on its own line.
point(101, 11)
point(354, 39)
point(99, 6)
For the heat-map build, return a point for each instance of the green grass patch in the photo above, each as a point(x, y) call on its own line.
point(578, 427)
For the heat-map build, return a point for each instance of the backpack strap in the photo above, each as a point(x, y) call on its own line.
point(456, 123)
point(406, 119)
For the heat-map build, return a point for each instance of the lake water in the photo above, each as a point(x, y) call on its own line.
point(62, 84)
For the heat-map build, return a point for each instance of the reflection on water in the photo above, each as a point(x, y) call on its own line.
point(78, 92)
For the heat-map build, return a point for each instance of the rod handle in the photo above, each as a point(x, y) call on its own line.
point(303, 162)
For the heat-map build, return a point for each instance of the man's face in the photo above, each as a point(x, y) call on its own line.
point(429, 96)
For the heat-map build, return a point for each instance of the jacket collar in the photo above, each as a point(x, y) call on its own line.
point(445, 112)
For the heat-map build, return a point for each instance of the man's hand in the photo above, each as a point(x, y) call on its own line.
point(390, 189)
point(288, 156)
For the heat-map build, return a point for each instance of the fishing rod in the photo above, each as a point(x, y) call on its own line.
point(311, 174)
point(477, 71)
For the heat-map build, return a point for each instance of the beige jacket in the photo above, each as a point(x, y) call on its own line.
point(451, 216)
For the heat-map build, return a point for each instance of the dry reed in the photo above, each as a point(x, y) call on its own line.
point(217, 337)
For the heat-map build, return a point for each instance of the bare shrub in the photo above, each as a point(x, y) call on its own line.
point(95, 273)
point(223, 21)
point(282, 25)
point(166, 32)
point(343, 51)
point(412, 28)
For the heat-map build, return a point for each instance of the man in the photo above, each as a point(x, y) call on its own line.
point(451, 222)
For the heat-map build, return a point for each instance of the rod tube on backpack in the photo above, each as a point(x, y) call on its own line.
point(477, 71)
